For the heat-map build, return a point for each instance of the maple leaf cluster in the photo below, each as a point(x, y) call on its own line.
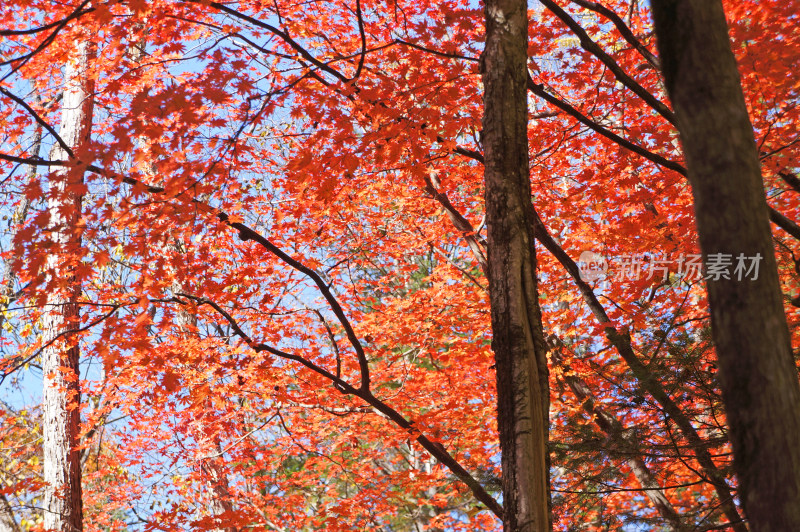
point(280, 248)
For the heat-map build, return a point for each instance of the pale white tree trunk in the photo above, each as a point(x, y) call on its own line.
point(63, 505)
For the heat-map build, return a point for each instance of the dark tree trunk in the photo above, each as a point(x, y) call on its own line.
point(757, 374)
point(518, 341)
point(63, 505)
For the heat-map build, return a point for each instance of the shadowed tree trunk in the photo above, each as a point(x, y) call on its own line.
point(63, 506)
point(757, 373)
point(518, 341)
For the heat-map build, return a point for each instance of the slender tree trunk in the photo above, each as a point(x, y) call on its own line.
point(212, 466)
point(215, 471)
point(518, 341)
point(757, 373)
point(63, 506)
point(7, 292)
point(8, 521)
point(8, 295)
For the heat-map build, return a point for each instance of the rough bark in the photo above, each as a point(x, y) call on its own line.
point(622, 343)
point(63, 506)
point(757, 374)
point(623, 346)
point(518, 341)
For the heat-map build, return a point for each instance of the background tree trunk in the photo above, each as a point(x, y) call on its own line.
point(757, 373)
point(8, 521)
point(60, 359)
point(518, 341)
point(212, 466)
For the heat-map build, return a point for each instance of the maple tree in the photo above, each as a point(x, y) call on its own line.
point(285, 315)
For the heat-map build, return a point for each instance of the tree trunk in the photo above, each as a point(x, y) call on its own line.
point(60, 358)
point(8, 294)
point(213, 465)
point(757, 373)
point(518, 341)
point(8, 521)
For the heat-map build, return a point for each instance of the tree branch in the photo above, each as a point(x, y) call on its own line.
point(622, 28)
point(622, 344)
point(592, 47)
point(435, 449)
point(539, 90)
